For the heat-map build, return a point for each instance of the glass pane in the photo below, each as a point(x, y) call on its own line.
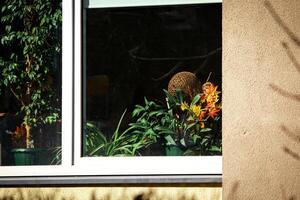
point(30, 82)
point(152, 81)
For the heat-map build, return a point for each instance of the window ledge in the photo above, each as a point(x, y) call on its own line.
point(104, 180)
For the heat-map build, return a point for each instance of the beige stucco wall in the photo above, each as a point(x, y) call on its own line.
point(114, 193)
point(261, 102)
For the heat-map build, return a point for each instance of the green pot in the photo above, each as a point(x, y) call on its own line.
point(32, 156)
point(173, 151)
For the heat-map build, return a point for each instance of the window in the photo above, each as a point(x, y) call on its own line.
point(56, 78)
point(30, 62)
point(124, 53)
point(134, 70)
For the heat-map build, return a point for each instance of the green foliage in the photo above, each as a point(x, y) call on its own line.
point(56, 156)
point(190, 136)
point(154, 122)
point(31, 40)
point(122, 143)
point(155, 119)
point(178, 127)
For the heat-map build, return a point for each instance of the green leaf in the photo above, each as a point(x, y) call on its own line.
point(195, 138)
point(137, 111)
point(3, 8)
point(116, 132)
point(182, 142)
point(8, 28)
point(170, 140)
point(146, 101)
point(195, 99)
point(204, 140)
point(179, 96)
point(170, 99)
point(215, 148)
point(203, 130)
point(191, 125)
point(101, 146)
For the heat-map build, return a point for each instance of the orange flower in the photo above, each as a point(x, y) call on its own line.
point(210, 105)
point(202, 115)
point(213, 97)
point(213, 112)
point(210, 93)
point(202, 125)
point(202, 98)
point(207, 88)
point(19, 132)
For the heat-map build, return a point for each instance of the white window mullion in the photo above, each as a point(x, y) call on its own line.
point(67, 82)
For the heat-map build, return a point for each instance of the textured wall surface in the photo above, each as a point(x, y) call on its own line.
point(261, 99)
point(113, 193)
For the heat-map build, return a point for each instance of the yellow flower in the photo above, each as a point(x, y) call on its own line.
point(196, 110)
point(184, 106)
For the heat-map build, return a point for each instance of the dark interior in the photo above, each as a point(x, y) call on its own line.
point(132, 53)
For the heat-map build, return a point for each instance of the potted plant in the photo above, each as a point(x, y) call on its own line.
point(28, 67)
point(199, 129)
point(189, 124)
point(128, 142)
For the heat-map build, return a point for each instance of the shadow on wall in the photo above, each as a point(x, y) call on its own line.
point(295, 40)
point(20, 194)
point(296, 97)
point(232, 195)
point(285, 196)
point(146, 195)
point(293, 135)
point(124, 194)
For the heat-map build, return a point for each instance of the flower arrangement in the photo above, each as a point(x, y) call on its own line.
point(187, 122)
point(191, 123)
point(208, 106)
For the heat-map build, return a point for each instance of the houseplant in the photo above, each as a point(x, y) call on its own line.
point(126, 142)
point(28, 68)
point(189, 125)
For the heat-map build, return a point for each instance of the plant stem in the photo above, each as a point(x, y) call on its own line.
point(28, 135)
point(17, 97)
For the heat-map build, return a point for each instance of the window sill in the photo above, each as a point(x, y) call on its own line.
point(108, 180)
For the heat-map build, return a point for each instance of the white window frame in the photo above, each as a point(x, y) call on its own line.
point(73, 164)
point(160, 165)
point(67, 108)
